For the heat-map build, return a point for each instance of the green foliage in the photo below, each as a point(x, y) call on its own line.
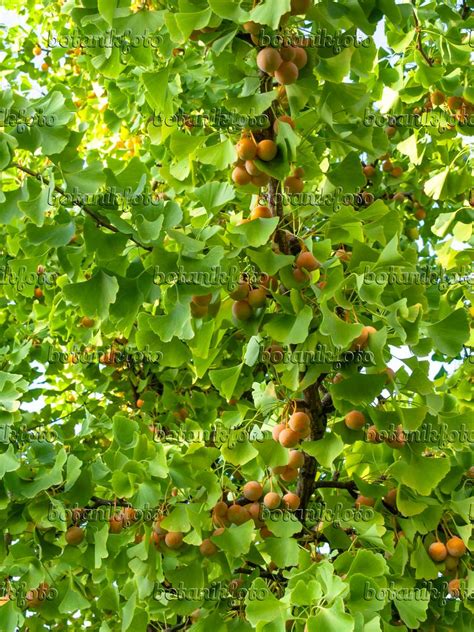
point(128, 378)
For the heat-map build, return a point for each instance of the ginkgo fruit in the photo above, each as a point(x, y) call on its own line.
point(455, 547)
point(291, 501)
point(267, 150)
point(295, 459)
point(246, 149)
point(272, 500)
point(355, 420)
point(438, 552)
point(364, 501)
point(257, 298)
point(74, 535)
point(288, 438)
point(269, 59)
point(242, 310)
point(287, 73)
point(307, 261)
point(299, 422)
point(300, 58)
point(261, 212)
point(174, 539)
point(252, 490)
point(207, 548)
point(293, 184)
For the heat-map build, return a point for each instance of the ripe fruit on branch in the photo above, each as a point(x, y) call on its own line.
point(237, 514)
point(455, 547)
point(397, 439)
point(37, 50)
point(390, 131)
point(420, 214)
point(251, 168)
point(261, 212)
point(38, 292)
point(369, 171)
point(291, 501)
point(287, 73)
point(266, 533)
point(261, 180)
point(266, 150)
point(128, 516)
point(289, 474)
point(362, 340)
point(207, 547)
point(294, 185)
point(269, 59)
point(301, 276)
point(387, 166)
point(37, 597)
point(391, 498)
point(298, 172)
point(296, 459)
point(307, 261)
point(438, 552)
point(174, 539)
point(299, 422)
point(242, 310)
point(455, 103)
point(277, 430)
point(252, 490)
point(396, 172)
point(257, 298)
point(87, 322)
point(451, 563)
point(252, 27)
point(283, 119)
point(355, 420)
point(253, 510)
point(246, 149)
point(116, 524)
point(74, 535)
point(364, 500)
point(241, 291)
point(287, 53)
point(288, 438)
point(454, 587)
point(301, 58)
point(140, 403)
point(437, 97)
point(272, 500)
point(240, 176)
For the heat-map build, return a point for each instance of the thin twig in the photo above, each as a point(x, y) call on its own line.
point(100, 220)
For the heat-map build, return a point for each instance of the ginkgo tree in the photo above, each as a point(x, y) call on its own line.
point(236, 292)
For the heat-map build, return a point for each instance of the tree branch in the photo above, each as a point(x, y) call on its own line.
point(419, 42)
point(100, 220)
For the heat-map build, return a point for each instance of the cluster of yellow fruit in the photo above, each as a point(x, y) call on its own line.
point(305, 263)
point(284, 64)
point(460, 106)
point(290, 471)
point(224, 515)
point(202, 305)
point(248, 298)
point(291, 433)
point(245, 170)
point(449, 553)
